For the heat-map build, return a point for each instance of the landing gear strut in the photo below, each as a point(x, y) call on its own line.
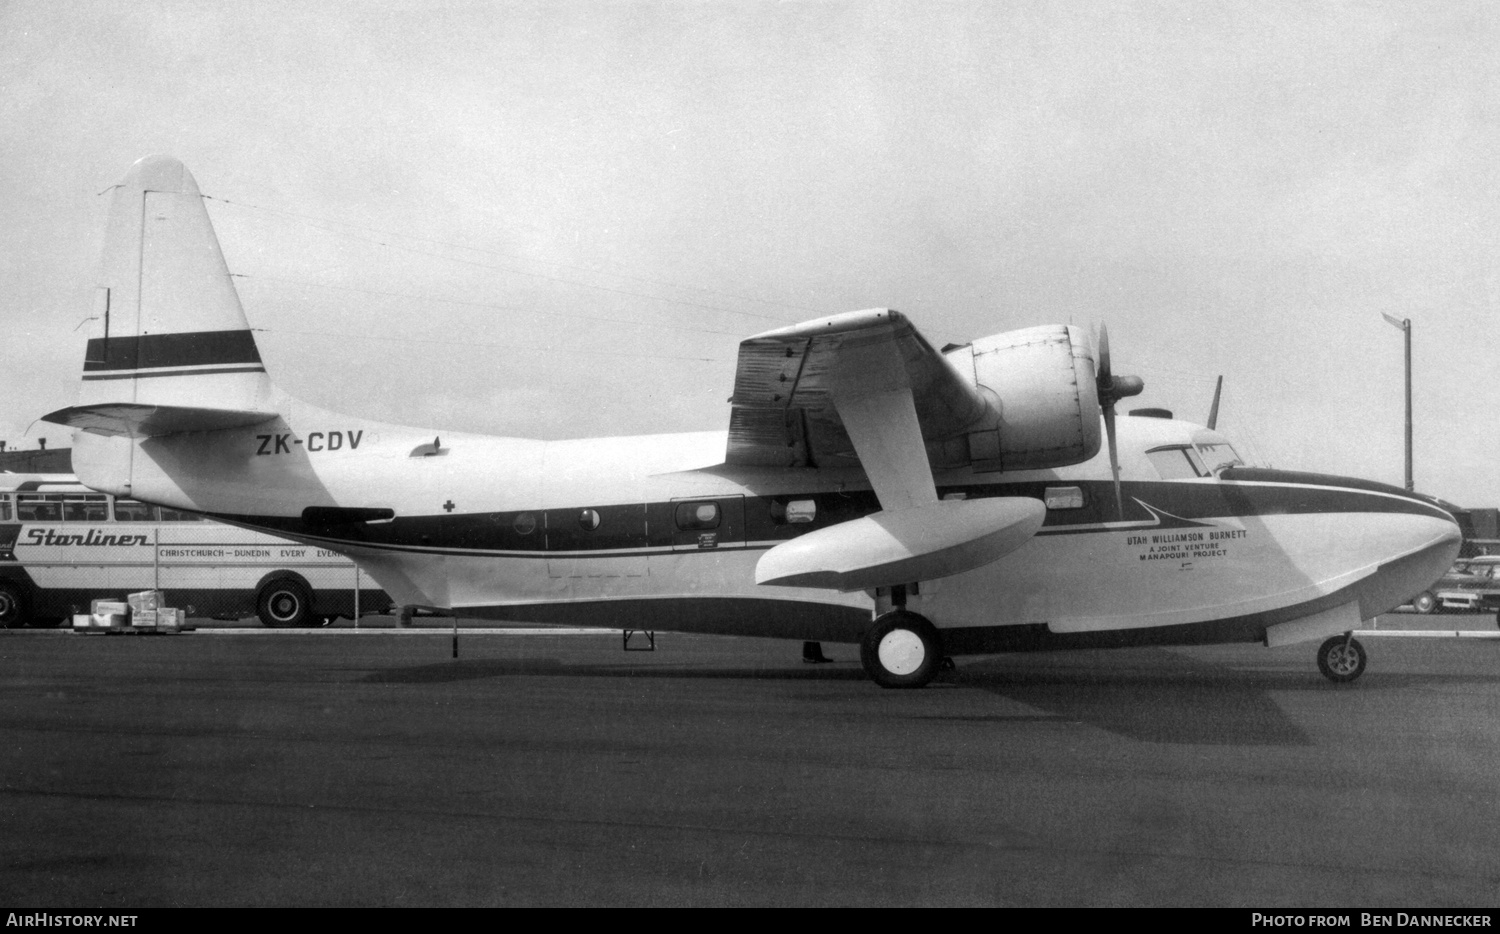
point(1341, 658)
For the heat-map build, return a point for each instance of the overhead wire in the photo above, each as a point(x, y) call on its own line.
point(506, 346)
point(315, 222)
point(474, 304)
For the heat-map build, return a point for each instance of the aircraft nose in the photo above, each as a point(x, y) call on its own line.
point(1425, 549)
point(1383, 542)
point(1419, 541)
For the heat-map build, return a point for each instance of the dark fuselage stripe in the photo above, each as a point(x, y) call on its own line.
point(636, 530)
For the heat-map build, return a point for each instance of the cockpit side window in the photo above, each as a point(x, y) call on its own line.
point(1218, 455)
point(1177, 463)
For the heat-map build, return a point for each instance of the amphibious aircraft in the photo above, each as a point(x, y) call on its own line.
point(870, 488)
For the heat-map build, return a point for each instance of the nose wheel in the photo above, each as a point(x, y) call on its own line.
point(1341, 659)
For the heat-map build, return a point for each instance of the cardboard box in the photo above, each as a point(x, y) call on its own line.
point(169, 619)
point(145, 600)
point(83, 620)
point(110, 620)
point(143, 619)
point(109, 606)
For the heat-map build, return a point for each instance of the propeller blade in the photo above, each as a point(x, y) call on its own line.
point(1111, 390)
point(1114, 459)
point(1213, 412)
point(1101, 364)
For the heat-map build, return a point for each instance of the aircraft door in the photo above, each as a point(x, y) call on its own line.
point(705, 523)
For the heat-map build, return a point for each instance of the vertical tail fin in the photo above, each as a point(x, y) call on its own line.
point(171, 349)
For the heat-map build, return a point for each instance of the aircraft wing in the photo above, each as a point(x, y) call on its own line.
point(785, 414)
point(865, 388)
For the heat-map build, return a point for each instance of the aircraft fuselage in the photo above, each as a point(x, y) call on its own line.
point(608, 531)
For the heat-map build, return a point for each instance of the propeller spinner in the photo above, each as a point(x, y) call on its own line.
point(1111, 390)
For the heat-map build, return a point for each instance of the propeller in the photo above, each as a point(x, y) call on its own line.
point(1111, 390)
point(1213, 412)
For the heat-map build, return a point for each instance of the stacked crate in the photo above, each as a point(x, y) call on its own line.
point(139, 612)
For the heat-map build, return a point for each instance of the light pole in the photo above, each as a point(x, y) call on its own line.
point(1405, 325)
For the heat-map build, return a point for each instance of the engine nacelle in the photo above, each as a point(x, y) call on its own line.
point(1044, 398)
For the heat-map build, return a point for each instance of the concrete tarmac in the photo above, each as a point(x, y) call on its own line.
point(214, 769)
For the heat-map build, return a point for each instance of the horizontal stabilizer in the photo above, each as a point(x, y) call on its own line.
point(923, 543)
point(138, 420)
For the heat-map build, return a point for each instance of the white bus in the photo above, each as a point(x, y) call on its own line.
point(63, 545)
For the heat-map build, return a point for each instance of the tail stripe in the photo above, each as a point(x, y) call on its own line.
point(111, 357)
point(205, 371)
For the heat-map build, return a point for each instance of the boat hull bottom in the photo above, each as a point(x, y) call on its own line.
point(781, 619)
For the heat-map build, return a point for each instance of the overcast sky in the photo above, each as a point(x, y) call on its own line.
point(558, 220)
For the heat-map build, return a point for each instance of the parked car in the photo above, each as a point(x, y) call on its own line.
point(1472, 584)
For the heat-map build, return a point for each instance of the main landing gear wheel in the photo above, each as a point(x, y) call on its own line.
point(902, 651)
point(1341, 659)
point(284, 603)
point(1424, 602)
point(12, 610)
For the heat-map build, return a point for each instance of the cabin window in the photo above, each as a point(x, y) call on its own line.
point(128, 510)
point(801, 510)
point(1177, 463)
point(178, 515)
point(588, 520)
point(83, 507)
point(797, 511)
point(1064, 497)
point(1218, 455)
point(694, 516)
point(525, 523)
point(39, 507)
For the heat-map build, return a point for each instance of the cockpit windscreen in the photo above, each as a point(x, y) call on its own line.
point(1189, 461)
point(1218, 455)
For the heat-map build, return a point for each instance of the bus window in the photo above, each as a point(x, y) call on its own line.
point(4, 508)
point(177, 515)
point(128, 510)
point(85, 507)
point(39, 507)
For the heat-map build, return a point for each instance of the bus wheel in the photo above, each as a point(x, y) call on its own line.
point(284, 603)
point(12, 609)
